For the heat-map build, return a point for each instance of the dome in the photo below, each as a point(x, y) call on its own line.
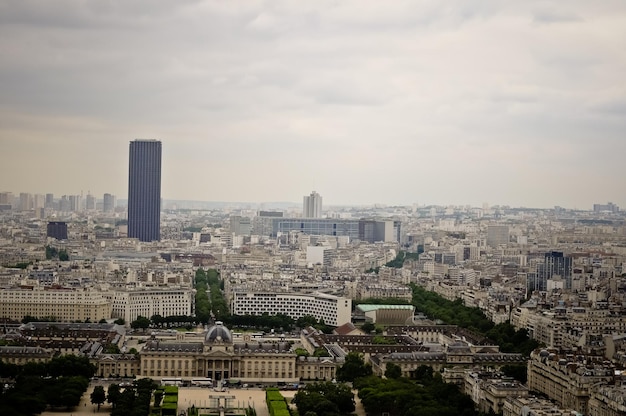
point(218, 333)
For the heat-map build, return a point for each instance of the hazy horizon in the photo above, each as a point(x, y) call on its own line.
point(366, 102)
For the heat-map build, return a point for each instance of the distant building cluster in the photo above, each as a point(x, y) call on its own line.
point(42, 206)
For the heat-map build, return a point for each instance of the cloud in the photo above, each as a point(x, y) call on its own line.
point(613, 107)
point(550, 16)
point(344, 97)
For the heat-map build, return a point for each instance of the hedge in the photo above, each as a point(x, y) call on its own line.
point(274, 396)
point(171, 389)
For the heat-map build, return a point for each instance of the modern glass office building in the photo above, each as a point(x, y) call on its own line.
point(316, 226)
point(144, 190)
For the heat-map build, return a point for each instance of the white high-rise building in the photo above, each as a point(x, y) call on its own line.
point(312, 206)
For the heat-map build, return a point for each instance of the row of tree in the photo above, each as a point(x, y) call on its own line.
point(203, 305)
point(210, 300)
point(450, 312)
point(455, 313)
point(265, 322)
point(157, 321)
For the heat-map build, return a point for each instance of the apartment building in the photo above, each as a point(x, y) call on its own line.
point(334, 310)
point(534, 406)
point(128, 304)
point(383, 291)
point(567, 327)
point(608, 401)
point(64, 305)
point(568, 378)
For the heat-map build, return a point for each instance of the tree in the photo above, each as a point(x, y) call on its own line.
point(111, 349)
point(321, 352)
point(393, 371)
point(301, 352)
point(305, 321)
point(518, 372)
point(368, 327)
point(70, 365)
point(423, 373)
point(98, 396)
point(72, 389)
point(51, 253)
point(158, 396)
point(157, 320)
point(119, 321)
point(140, 323)
point(325, 398)
point(354, 367)
point(113, 394)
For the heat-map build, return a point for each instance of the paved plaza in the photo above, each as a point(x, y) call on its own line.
point(187, 396)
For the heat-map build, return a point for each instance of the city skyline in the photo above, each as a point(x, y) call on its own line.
point(107, 205)
point(402, 103)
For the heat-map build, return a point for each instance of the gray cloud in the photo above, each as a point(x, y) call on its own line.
point(549, 16)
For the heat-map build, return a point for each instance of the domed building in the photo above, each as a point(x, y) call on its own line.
point(218, 333)
point(220, 357)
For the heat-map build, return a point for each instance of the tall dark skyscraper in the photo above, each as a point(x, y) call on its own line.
point(144, 190)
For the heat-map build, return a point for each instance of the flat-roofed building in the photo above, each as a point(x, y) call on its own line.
point(387, 314)
point(62, 304)
point(334, 310)
point(131, 303)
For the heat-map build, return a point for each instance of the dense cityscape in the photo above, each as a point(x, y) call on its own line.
point(517, 310)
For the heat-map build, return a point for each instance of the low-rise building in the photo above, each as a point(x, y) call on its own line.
point(489, 390)
point(386, 314)
point(220, 357)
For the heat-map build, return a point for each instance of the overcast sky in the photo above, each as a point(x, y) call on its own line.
point(365, 101)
